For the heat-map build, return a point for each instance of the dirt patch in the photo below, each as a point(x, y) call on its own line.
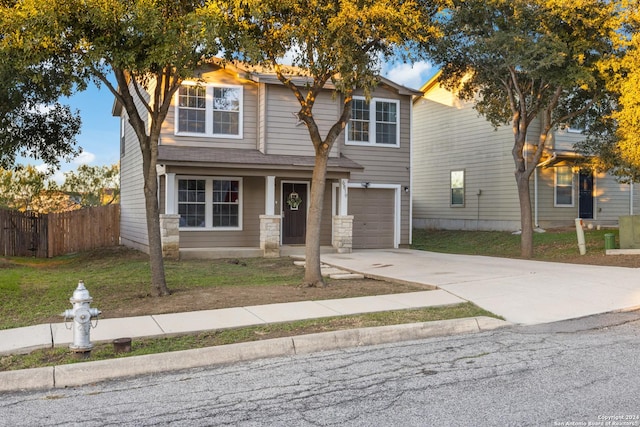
point(224, 297)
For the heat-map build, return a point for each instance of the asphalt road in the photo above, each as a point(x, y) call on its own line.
point(581, 372)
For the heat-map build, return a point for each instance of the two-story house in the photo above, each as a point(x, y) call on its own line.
point(464, 173)
point(235, 166)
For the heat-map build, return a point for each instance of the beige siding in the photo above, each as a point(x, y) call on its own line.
point(612, 199)
point(249, 236)
point(133, 222)
point(565, 139)
point(284, 133)
point(249, 121)
point(449, 135)
point(550, 215)
point(387, 165)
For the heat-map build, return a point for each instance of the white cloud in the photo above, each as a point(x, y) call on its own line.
point(409, 75)
point(84, 158)
point(58, 177)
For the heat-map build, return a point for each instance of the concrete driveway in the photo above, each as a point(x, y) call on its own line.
point(525, 292)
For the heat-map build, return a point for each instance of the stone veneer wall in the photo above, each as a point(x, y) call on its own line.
point(170, 236)
point(342, 238)
point(270, 235)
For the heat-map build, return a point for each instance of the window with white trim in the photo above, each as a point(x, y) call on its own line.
point(376, 122)
point(457, 188)
point(563, 195)
point(209, 110)
point(210, 203)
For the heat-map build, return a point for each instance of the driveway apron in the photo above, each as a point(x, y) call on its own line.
point(522, 291)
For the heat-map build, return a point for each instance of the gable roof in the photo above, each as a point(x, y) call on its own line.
point(260, 74)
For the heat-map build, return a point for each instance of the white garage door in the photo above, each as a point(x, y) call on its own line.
point(373, 211)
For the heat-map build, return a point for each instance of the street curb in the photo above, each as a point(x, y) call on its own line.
point(78, 374)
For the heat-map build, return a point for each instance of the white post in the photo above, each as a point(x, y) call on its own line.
point(170, 193)
point(580, 232)
point(270, 195)
point(344, 197)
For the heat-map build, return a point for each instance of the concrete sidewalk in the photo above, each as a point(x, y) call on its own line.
point(24, 340)
point(521, 291)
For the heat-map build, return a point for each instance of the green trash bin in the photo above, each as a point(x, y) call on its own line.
point(609, 241)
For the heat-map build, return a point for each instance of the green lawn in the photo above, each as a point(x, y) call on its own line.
point(553, 245)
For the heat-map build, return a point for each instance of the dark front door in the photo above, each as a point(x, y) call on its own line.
point(294, 213)
point(586, 195)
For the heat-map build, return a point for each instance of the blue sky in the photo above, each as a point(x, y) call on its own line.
point(99, 136)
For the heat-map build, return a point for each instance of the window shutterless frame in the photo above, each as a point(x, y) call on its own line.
point(457, 186)
point(374, 123)
point(209, 110)
point(209, 203)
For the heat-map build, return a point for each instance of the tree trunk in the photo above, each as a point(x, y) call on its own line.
point(156, 261)
point(312, 273)
point(526, 219)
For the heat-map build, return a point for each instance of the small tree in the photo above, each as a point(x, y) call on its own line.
point(522, 60)
point(27, 189)
point(326, 41)
point(148, 46)
point(93, 185)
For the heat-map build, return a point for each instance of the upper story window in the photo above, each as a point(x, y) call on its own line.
point(563, 186)
point(376, 122)
point(209, 110)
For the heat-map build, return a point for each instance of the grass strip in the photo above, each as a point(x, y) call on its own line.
point(102, 351)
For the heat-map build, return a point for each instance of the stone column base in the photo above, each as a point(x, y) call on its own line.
point(342, 238)
point(170, 236)
point(270, 235)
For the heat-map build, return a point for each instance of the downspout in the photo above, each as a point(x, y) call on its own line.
point(535, 197)
point(631, 198)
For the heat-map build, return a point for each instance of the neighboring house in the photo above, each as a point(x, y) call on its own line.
point(463, 175)
point(235, 166)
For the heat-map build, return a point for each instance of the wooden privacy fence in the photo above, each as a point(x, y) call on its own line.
point(31, 234)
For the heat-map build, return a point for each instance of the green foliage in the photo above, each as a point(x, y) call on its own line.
point(93, 185)
point(520, 58)
point(614, 140)
point(32, 79)
point(27, 188)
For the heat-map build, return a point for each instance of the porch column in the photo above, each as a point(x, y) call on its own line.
point(270, 195)
point(170, 236)
point(270, 222)
point(344, 197)
point(170, 193)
